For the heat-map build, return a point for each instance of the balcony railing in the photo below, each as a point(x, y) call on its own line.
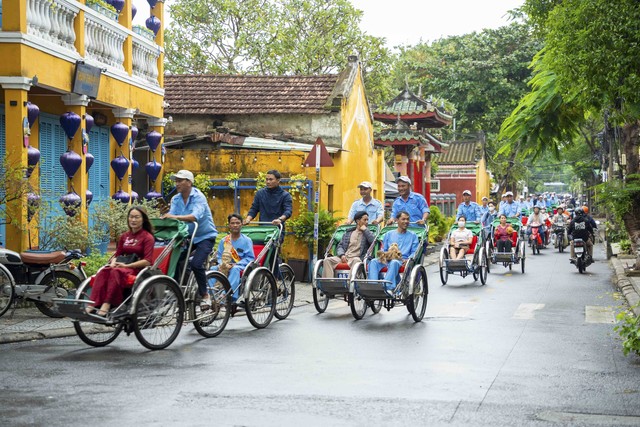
point(52, 21)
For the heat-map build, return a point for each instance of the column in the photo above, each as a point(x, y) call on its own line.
point(157, 124)
point(125, 116)
point(14, 16)
point(15, 101)
point(124, 19)
point(80, 181)
point(78, 27)
point(158, 11)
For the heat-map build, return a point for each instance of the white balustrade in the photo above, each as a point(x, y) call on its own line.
point(145, 60)
point(52, 20)
point(104, 40)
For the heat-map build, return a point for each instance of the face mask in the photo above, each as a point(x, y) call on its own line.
point(461, 224)
point(491, 209)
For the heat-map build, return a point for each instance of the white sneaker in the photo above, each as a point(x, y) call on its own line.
point(205, 304)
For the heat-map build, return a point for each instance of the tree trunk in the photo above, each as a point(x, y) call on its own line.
point(631, 144)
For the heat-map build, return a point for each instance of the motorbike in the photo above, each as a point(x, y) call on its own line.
point(535, 239)
point(560, 241)
point(583, 260)
point(39, 277)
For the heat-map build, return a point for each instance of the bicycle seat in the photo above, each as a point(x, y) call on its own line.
point(42, 258)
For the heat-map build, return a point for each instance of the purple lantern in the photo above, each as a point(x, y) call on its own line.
point(120, 165)
point(134, 196)
point(121, 196)
point(134, 164)
point(152, 3)
point(119, 132)
point(134, 10)
point(89, 122)
point(88, 161)
point(153, 139)
point(153, 195)
point(89, 196)
point(33, 203)
point(117, 4)
point(134, 133)
point(153, 24)
point(33, 157)
point(32, 113)
point(153, 170)
point(70, 122)
point(70, 203)
point(70, 162)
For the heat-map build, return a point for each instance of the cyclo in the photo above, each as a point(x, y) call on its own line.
point(267, 288)
point(412, 290)
point(518, 244)
point(477, 265)
point(157, 305)
point(326, 288)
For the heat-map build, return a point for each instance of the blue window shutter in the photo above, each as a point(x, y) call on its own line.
point(3, 152)
point(99, 172)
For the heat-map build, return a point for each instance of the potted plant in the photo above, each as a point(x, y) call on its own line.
point(302, 226)
point(297, 187)
point(103, 8)
point(144, 32)
point(232, 179)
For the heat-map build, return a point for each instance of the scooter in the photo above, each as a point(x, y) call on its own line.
point(39, 277)
point(558, 232)
point(583, 260)
point(535, 239)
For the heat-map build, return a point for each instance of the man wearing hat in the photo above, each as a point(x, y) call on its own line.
point(468, 209)
point(484, 207)
point(413, 203)
point(190, 205)
point(368, 204)
point(511, 208)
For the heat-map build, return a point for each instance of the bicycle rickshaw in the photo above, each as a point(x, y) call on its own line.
point(518, 245)
point(477, 265)
point(326, 288)
point(412, 290)
point(157, 305)
point(267, 288)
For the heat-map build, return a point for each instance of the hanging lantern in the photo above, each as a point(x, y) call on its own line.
point(163, 153)
point(119, 132)
point(33, 157)
point(89, 197)
point(134, 133)
point(134, 10)
point(33, 203)
point(153, 24)
point(153, 140)
point(88, 161)
point(89, 122)
point(134, 164)
point(70, 203)
point(70, 122)
point(70, 162)
point(118, 5)
point(120, 165)
point(32, 113)
point(151, 195)
point(152, 3)
point(134, 196)
point(121, 196)
point(153, 170)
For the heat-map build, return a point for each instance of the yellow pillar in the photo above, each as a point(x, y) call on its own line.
point(157, 124)
point(14, 15)
point(123, 115)
point(78, 27)
point(158, 11)
point(15, 101)
point(80, 181)
point(34, 180)
point(125, 20)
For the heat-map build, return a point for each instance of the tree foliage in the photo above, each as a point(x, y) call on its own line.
point(267, 37)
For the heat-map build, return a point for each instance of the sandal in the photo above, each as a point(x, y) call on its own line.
point(205, 304)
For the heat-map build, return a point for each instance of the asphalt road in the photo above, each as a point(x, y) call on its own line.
point(526, 350)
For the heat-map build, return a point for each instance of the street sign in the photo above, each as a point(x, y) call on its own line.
point(325, 158)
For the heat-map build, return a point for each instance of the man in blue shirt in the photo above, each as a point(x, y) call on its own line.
point(413, 203)
point(368, 204)
point(190, 205)
point(239, 248)
point(468, 209)
point(408, 243)
point(511, 208)
point(484, 207)
point(273, 203)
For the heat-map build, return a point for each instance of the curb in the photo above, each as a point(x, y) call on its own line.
point(13, 337)
point(626, 285)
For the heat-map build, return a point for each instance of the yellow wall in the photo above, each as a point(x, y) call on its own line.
point(483, 180)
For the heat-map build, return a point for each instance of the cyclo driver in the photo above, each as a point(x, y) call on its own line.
point(580, 228)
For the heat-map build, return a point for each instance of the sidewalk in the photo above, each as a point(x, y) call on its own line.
point(28, 324)
point(629, 285)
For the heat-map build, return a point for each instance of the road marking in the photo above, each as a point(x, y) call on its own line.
point(527, 311)
point(599, 314)
point(568, 418)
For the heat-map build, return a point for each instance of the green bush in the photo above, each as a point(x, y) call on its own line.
point(302, 226)
point(94, 262)
point(439, 225)
point(629, 331)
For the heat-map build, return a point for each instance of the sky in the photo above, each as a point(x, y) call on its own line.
point(410, 21)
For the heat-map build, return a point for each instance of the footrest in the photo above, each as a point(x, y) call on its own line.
point(333, 286)
point(372, 289)
point(504, 256)
point(457, 264)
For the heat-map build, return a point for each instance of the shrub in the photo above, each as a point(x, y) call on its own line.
point(302, 226)
point(94, 262)
point(439, 224)
point(629, 331)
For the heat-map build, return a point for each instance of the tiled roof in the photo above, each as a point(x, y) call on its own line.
point(409, 104)
point(405, 136)
point(461, 153)
point(245, 94)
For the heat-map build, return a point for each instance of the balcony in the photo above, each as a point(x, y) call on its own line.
point(50, 28)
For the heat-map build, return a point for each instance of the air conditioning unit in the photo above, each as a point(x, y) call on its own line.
point(435, 185)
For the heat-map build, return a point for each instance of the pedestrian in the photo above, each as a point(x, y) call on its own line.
point(373, 207)
point(190, 205)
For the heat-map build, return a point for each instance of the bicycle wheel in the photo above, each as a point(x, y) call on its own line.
point(286, 292)
point(7, 290)
point(260, 303)
point(375, 306)
point(417, 301)
point(484, 270)
point(94, 334)
point(320, 300)
point(213, 321)
point(444, 273)
point(158, 312)
point(61, 284)
point(358, 305)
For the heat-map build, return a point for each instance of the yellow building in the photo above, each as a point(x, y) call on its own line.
point(68, 56)
point(224, 124)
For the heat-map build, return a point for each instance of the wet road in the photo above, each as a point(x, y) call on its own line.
point(534, 349)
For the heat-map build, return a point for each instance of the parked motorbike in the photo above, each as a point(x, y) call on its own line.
point(39, 277)
point(583, 260)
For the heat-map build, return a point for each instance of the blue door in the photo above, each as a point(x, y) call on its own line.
point(2, 159)
point(99, 172)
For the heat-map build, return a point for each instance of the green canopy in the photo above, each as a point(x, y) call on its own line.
point(167, 229)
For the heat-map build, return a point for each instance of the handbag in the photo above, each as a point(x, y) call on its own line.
point(127, 259)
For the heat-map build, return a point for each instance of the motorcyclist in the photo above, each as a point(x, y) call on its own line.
point(536, 219)
point(560, 221)
point(580, 228)
point(593, 223)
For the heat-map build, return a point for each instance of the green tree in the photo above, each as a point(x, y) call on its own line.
point(273, 38)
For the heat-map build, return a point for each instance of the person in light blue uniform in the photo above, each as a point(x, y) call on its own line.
point(368, 204)
point(240, 248)
point(484, 207)
point(190, 205)
point(413, 203)
point(408, 243)
point(468, 209)
point(511, 208)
